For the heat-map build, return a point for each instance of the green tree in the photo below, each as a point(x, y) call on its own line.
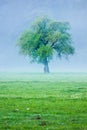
point(44, 39)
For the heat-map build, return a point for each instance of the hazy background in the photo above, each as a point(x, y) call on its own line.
point(17, 15)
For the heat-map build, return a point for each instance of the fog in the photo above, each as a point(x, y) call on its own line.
point(17, 16)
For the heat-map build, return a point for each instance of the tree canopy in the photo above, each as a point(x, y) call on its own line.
point(45, 38)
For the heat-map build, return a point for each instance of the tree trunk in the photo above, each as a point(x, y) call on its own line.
point(46, 67)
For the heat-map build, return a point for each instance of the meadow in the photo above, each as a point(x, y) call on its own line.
point(56, 101)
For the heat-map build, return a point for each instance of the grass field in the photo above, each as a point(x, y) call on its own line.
point(43, 101)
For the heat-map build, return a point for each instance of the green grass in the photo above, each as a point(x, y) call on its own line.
point(43, 102)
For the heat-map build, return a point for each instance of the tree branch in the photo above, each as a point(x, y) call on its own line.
point(54, 42)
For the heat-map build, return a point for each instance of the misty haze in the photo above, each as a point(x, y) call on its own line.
point(17, 16)
point(43, 65)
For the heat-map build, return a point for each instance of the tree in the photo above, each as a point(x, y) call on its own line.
point(44, 39)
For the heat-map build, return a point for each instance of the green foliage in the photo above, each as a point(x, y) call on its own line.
point(44, 38)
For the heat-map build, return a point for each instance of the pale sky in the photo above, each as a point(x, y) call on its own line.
point(17, 15)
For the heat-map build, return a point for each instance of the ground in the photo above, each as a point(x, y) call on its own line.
point(43, 101)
